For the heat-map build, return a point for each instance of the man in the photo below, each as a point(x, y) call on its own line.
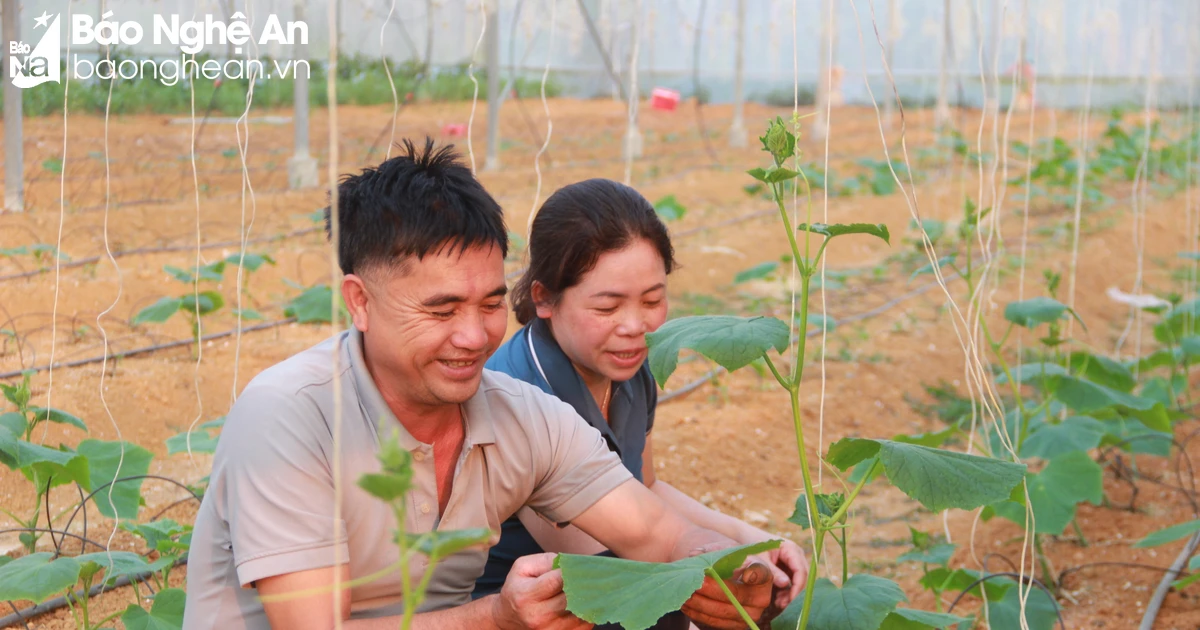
point(421, 246)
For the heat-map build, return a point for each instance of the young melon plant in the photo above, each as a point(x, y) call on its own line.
point(938, 479)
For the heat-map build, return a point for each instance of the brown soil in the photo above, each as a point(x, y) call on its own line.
point(731, 445)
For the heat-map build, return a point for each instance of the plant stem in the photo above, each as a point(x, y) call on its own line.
point(1083, 541)
point(845, 558)
point(775, 371)
point(736, 604)
point(814, 515)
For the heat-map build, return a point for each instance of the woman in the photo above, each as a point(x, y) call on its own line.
point(596, 284)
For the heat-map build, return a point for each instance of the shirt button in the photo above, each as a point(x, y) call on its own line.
point(424, 508)
point(419, 456)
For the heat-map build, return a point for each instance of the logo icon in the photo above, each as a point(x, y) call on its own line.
point(29, 68)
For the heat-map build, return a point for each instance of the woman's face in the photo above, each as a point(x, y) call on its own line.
point(601, 323)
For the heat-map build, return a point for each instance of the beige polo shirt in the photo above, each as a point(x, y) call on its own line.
point(269, 507)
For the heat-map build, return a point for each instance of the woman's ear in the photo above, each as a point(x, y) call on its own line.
point(356, 297)
point(542, 302)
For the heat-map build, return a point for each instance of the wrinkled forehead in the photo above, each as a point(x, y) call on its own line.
point(469, 273)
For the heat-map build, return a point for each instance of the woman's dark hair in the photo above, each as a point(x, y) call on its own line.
point(411, 205)
point(577, 224)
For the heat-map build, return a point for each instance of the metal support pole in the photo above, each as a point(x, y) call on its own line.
point(14, 153)
point(632, 145)
point(941, 111)
point(495, 98)
point(302, 167)
point(737, 130)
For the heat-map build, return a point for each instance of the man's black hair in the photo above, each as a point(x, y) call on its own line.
point(411, 205)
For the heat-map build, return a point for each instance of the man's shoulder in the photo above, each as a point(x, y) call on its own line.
point(512, 402)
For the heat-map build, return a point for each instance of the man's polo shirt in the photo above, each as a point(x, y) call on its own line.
point(269, 509)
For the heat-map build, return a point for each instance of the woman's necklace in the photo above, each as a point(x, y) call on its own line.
point(604, 405)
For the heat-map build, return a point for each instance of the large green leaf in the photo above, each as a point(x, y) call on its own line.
point(937, 554)
point(109, 461)
point(251, 262)
point(1035, 311)
point(41, 464)
point(1040, 610)
point(314, 305)
point(115, 564)
point(827, 504)
point(1181, 321)
point(394, 479)
point(928, 267)
point(56, 415)
point(909, 619)
point(942, 579)
point(1086, 397)
point(1132, 435)
point(154, 532)
point(732, 342)
point(1170, 534)
point(600, 589)
point(936, 478)
point(862, 604)
point(158, 312)
point(839, 229)
point(165, 614)
point(37, 577)
point(1054, 492)
point(1076, 433)
point(757, 272)
point(13, 422)
point(440, 544)
point(201, 442)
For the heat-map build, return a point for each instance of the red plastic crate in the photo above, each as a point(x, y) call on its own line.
point(664, 99)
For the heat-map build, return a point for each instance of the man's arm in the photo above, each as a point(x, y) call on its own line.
point(532, 597)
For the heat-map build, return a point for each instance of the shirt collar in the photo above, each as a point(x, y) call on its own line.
point(478, 426)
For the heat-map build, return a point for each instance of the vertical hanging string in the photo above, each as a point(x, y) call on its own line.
point(828, 130)
point(1083, 152)
point(631, 133)
point(100, 317)
point(537, 158)
point(391, 82)
point(335, 312)
point(1191, 205)
point(471, 73)
point(1028, 178)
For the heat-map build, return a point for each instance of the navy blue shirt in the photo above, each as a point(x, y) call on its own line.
point(532, 355)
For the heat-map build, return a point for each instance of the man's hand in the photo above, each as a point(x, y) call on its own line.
point(710, 609)
point(532, 598)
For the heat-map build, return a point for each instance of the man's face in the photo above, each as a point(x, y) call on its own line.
point(430, 326)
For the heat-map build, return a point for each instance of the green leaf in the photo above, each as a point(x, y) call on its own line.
point(314, 305)
point(817, 320)
point(115, 564)
point(1055, 491)
point(1179, 585)
point(37, 578)
point(1132, 435)
point(1181, 321)
point(669, 209)
point(13, 422)
point(109, 461)
point(214, 272)
point(928, 267)
point(1076, 433)
point(247, 313)
point(937, 554)
point(1170, 534)
point(909, 619)
point(1190, 255)
point(862, 604)
point(943, 579)
point(56, 415)
point(215, 423)
point(251, 262)
point(1102, 371)
point(208, 301)
point(780, 174)
point(758, 173)
point(732, 342)
point(1040, 610)
point(1035, 311)
point(181, 275)
point(165, 614)
point(441, 544)
point(158, 312)
point(41, 464)
point(936, 478)
point(201, 442)
point(838, 229)
point(1086, 397)
point(827, 504)
point(757, 272)
point(600, 589)
point(395, 477)
point(155, 532)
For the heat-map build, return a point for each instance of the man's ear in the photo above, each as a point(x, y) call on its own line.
point(542, 302)
point(356, 297)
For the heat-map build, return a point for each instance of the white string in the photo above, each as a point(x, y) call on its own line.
point(471, 73)
point(99, 318)
point(828, 131)
point(391, 82)
point(247, 187)
point(1083, 153)
point(631, 133)
point(537, 169)
point(1028, 179)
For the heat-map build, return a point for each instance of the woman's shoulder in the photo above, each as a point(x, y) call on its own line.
point(512, 358)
